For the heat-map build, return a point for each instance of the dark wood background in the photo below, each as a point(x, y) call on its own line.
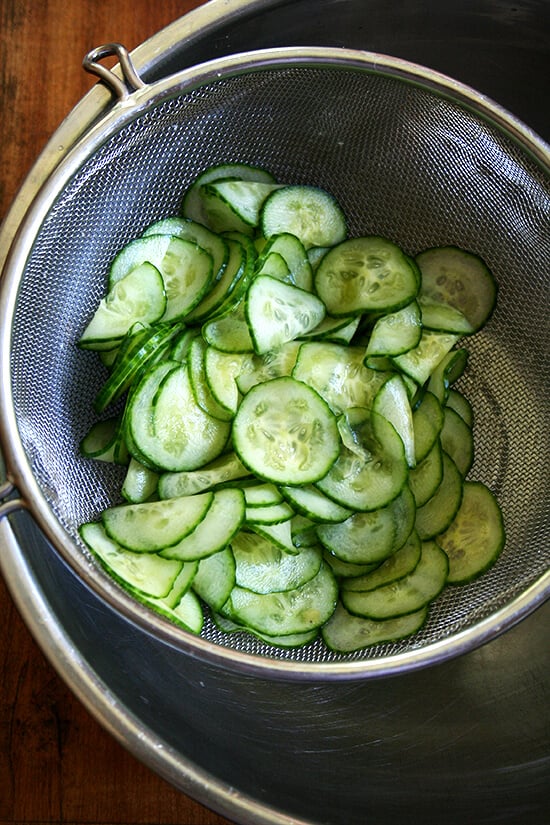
point(56, 763)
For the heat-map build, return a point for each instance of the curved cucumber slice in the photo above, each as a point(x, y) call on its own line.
point(262, 567)
point(460, 279)
point(407, 595)
point(368, 274)
point(146, 572)
point(437, 513)
point(192, 205)
point(138, 297)
point(289, 612)
point(277, 312)
point(399, 564)
point(345, 633)
point(476, 537)
point(152, 526)
point(284, 432)
point(310, 213)
point(378, 477)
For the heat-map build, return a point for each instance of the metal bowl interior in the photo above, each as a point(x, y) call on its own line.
point(409, 155)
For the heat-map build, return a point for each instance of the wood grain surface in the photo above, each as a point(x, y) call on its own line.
point(57, 765)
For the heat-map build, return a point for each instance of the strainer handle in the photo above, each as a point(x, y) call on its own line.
point(130, 82)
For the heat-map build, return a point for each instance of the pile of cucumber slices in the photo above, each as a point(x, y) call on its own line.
point(283, 397)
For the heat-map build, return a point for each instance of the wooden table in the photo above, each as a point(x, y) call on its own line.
point(56, 763)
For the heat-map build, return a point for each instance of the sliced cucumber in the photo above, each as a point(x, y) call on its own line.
point(192, 204)
point(170, 428)
point(140, 483)
point(475, 538)
point(397, 332)
point(262, 567)
point(277, 312)
point(401, 563)
point(419, 363)
point(215, 578)
point(437, 513)
point(234, 204)
point(152, 526)
point(392, 402)
point(376, 479)
point(285, 433)
point(460, 279)
point(146, 572)
point(406, 595)
point(223, 469)
point(221, 522)
point(425, 478)
point(428, 420)
point(294, 254)
point(457, 439)
point(311, 214)
point(338, 374)
point(311, 502)
point(368, 274)
point(138, 297)
point(345, 633)
point(291, 611)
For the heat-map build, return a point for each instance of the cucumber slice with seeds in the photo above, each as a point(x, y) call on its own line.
point(406, 595)
point(284, 432)
point(368, 274)
point(345, 633)
point(460, 279)
point(311, 214)
point(476, 536)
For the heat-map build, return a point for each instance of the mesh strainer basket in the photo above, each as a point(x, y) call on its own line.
point(410, 155)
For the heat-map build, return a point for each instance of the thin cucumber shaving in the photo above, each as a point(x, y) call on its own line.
point(283, 397)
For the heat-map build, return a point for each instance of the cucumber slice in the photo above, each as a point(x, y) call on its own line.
point(140, 483)
point(262, 567)
point(215, 578)
point(376, 479)
point(139, 297)
point(238, 267)
point(187, 270)
point(277, 312)
point(337, 330)
point(370, 537)
point(406, 595)
point(312, 503)
point(345, 633)
point(269, 514)
point(197, 233)
point(292, 251)
point(428, 420)
point(401, 563)
point(199, 384)
point(279, 534)
point(368, 274)
point(443, 317)
point(168, 427)
point(419, 363)
point(192, 204)
point(344, 569)
point(223, 469)
point(338, 374)
point(102, 441)
point(145, 572)
point(214, 532)
point(152, 526)
point(229, 331)
point(460, 279)
point(284, 432)
point(475, 538)
point(392, 402)
point(457, 439)
point(291, 611)
point(449, 370)
point(425, 478)
point(435, 516)
point(460, 404)
point(311, 214)
point(396, 332)
point(234, 204)
point(272, 364)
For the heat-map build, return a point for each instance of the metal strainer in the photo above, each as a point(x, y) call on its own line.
point(409, 154)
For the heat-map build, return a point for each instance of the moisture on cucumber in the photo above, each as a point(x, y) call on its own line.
point(283, 397)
